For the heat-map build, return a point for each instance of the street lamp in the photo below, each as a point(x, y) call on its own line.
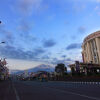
point(2, 42)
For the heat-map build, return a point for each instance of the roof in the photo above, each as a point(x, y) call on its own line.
point(91, 36)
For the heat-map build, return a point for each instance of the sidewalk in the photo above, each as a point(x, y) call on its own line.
point(6, 91)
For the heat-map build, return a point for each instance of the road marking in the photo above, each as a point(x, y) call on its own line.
point(63, 91)
point(17, 97)
point(93, 98)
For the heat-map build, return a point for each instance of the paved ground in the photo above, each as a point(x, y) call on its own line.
point(30, 90)
point(6, 91)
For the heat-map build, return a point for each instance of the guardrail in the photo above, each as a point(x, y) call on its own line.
point(90, 83)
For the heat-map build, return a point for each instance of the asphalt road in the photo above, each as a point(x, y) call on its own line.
point(30, 90)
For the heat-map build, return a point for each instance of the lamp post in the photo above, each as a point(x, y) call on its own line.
point(0, 22)
point(2, 41)
point(3, 61)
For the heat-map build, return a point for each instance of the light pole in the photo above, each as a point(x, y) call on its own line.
point(2, 41)
point(0, 22)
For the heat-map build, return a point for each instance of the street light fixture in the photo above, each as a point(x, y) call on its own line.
point(2, 42)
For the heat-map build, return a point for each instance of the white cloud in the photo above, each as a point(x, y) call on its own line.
point(79, 8)
point(21, 64)
point(97, 9)
point(27, 7)
point(98, 13)
point(82, 29)
point(98, 1)
point(51, 17)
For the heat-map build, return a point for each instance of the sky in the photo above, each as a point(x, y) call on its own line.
point(45, 31)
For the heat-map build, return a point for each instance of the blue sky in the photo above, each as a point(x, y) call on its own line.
point(45, 31)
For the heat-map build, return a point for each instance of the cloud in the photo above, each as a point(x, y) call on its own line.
point(67, 61)
point(81, 29)
point(97, 9)
point(24, 26)
point(6, 35)
point(39, 51)
point(28, 6)
point(98, 1)
point(24, 30)
point(73, 37)
point(51, 17)
point(14, 53)
point(79, 8)
point(24, 35)
point(46, 57)
point(49, 43)
point(74, 46)
point(63, 56)
point(28, 38)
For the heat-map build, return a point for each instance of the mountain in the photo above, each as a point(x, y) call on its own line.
point(16, 71)
point(41, 67)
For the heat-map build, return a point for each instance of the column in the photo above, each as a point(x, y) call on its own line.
point(87, 57)
point(89, 52)
point(98, 47)
point(84, 53)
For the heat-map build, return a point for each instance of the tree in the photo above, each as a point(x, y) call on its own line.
point(61, 69)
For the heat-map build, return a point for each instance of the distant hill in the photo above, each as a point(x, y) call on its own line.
point(41, 67)
point(16, 71)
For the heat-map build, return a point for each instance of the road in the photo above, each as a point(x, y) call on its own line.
point(31, 90)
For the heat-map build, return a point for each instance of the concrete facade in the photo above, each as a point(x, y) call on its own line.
point(91, 48)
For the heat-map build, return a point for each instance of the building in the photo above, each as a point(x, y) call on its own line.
point(91, 48)
point(84, 68)
point(91, 56)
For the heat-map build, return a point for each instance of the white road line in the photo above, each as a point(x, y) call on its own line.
point(17, 97)
point(93, 98)
point(63, 91)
